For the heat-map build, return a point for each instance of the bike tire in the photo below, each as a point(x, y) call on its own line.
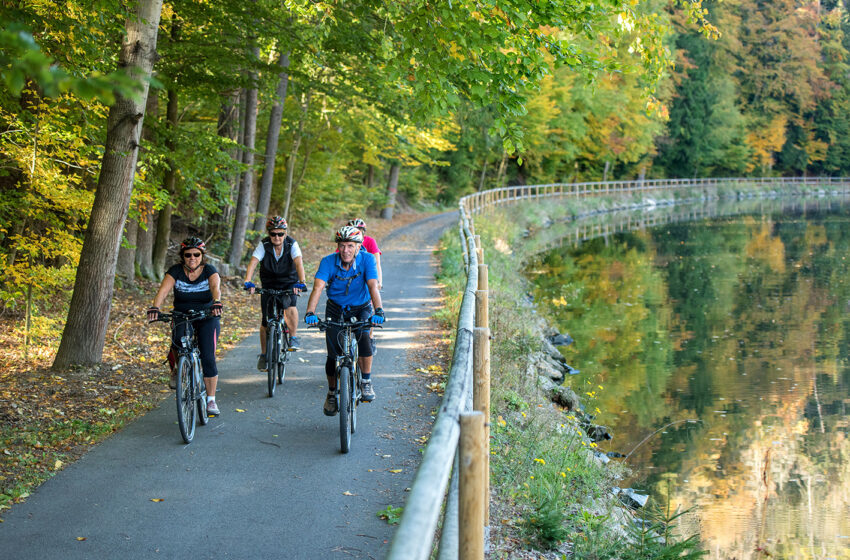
point(284, 357)
point(203, 418)
point(272, 351)
point(185, 400)
point(355, 396)
point(345, 409)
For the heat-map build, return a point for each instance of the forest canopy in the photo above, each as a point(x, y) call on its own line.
point(319, 109)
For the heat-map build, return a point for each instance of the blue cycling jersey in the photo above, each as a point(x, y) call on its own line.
point(348, 287)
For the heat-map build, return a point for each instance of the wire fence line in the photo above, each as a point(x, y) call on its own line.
point(435, 488)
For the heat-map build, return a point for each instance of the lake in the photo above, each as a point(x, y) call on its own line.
point(717, 353)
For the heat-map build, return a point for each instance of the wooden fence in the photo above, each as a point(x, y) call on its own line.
point(453, 478)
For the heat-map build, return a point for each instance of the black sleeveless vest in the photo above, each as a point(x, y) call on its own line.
point(278, 274)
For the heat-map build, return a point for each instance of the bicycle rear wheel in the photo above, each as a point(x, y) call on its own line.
point(185, 399)
point(345, 408)
point(272, 352)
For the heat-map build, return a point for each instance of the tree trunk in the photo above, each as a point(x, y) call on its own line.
point(88, 316)
point(145, 223)
point(483, 176)
point(228, 127)
point(296, 144)
point(144, 243)
point(370, 176)
point(246, 195)
point(502, 167)
point(392, 191)
point(169, 182)
point(126, 269)
point(272, 138)
point(605, 172)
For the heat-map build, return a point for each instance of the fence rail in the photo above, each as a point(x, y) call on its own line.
point(436, 482)
point(476, 202)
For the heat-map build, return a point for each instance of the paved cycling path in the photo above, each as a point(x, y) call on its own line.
point(269, 482)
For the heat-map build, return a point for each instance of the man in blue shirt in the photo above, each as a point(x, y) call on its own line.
point(351, 277)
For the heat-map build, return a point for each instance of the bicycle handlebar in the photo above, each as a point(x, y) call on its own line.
point(276, 292)
point(191, 315)
point(324, 324)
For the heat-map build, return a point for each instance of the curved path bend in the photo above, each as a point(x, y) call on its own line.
point(269, 482)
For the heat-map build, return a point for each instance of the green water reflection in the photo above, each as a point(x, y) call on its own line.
point(742, 324)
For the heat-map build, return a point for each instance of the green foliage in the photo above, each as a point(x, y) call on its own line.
point(392, 515)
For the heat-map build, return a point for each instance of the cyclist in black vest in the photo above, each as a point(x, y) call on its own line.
point(281, 269)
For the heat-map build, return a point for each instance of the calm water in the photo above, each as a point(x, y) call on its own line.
point(729, 341)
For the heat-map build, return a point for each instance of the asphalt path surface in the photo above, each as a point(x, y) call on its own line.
point(267, 480)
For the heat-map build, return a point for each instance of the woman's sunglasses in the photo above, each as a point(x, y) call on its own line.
point(192, 255)
point(281, 234)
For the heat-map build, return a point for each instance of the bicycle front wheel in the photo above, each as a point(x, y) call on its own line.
point(284, 356)
point(185, 399)
point(355, 396)
point(345, 409)
point(201, 392)
point(272, 352)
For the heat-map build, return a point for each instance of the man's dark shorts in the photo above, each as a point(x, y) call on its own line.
point(286, 301)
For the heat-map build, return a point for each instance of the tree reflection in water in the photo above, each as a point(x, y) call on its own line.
point(742, 323)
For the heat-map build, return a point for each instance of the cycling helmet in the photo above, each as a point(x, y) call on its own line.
point(193, 243)
point(275, 222)
point(349, 233)
point(358, 223)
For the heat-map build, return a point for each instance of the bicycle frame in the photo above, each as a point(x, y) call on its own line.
point(347, 371)
point(277, 337)
point(195, 395)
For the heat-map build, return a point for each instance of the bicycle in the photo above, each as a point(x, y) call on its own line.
point(191, 390)
point(278, 338)
point(348, 378)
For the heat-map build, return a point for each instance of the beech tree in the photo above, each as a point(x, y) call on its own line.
point(85, 329)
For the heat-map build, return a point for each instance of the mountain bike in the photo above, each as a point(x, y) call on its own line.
point(191, 392)
point(348, 378)
point(278, 338)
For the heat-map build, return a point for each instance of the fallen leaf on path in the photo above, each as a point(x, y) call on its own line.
point(81, 538)
point(157, 499)
point(239, 410)
point(395, 470)
point(347, 493)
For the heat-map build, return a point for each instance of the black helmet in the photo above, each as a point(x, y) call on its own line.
point(193, 243)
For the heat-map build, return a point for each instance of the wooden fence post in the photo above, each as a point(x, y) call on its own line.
point(482, 277)
point(481, 400)
point(471, 487)
point(482, 311)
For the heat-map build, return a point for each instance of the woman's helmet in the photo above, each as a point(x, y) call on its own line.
point(358, 223)
point(275, 222)
point(349, 233)
point(193, 243)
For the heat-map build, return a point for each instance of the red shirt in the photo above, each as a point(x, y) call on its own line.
point(370, 245)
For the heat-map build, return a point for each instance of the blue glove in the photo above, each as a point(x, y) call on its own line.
point(249, 285)
point(378, 317)
point(311, 319)
point(300, 286)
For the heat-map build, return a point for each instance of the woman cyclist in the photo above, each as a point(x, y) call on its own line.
point(197, 286)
